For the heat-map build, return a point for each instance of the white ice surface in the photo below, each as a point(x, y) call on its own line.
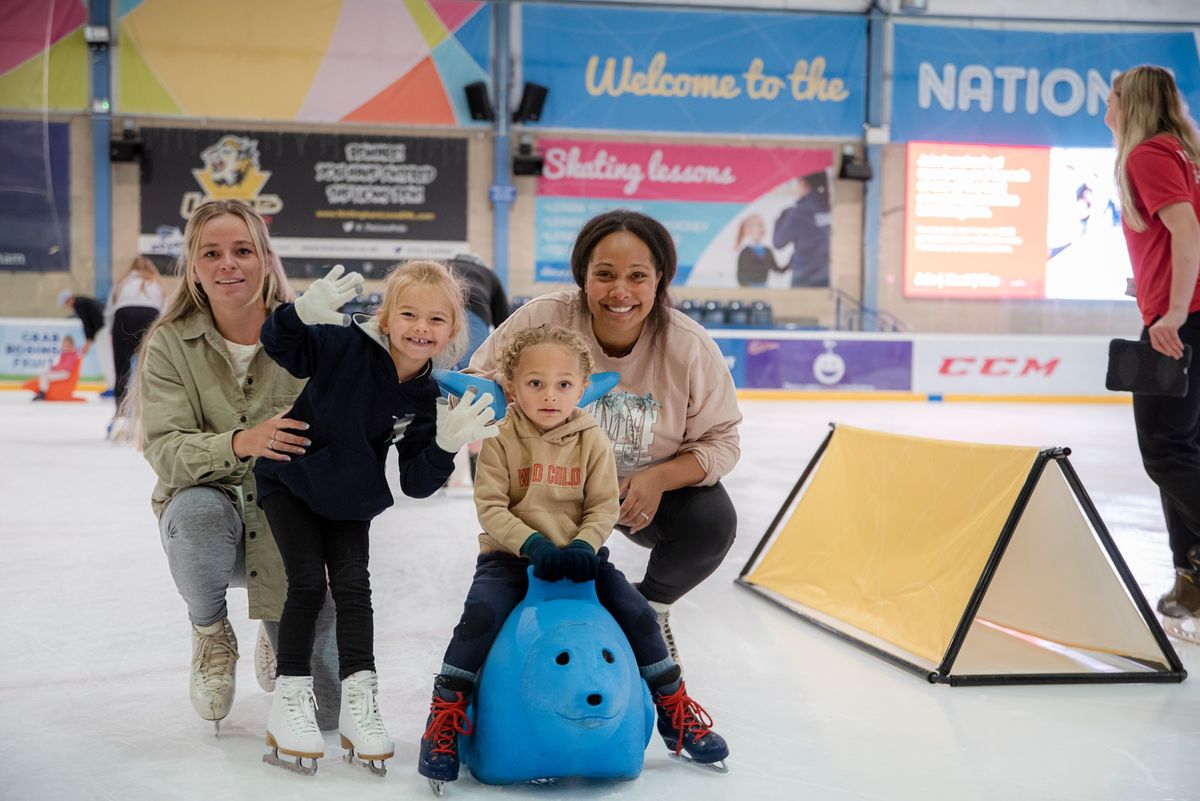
point(94, 644)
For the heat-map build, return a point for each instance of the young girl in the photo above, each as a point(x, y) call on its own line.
point(369, 387)
point(756, 261)
point(61, 370)
point(558, 527)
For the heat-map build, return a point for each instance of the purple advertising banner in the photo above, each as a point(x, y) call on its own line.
point(835, 364)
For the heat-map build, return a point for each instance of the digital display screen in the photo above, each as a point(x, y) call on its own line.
point(1000, 221)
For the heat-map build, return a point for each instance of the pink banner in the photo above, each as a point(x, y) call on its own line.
point(696, 173)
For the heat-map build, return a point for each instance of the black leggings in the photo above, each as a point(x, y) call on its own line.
point(130, 324)
point(1168, 432)
point(688, 537)
point(309, 544)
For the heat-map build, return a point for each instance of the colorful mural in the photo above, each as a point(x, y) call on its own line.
point(371, 61)
point(43, 57)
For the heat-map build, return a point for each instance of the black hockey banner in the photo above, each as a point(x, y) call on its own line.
point(366, 201)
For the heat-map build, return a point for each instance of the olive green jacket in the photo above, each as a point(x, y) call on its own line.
point(191, 406)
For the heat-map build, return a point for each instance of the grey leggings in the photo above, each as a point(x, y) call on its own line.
point(201, 533)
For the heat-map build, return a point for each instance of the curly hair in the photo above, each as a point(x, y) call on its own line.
point(525, 338)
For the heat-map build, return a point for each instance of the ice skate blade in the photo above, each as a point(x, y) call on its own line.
point(436, 786)
point(714, 767)
point(295, 767)
point(373, 764)
point(1183, 629)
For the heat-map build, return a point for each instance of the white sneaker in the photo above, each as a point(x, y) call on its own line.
point(663, 613)
point(360, 725)
point(292, 726)
point(214, 670)
point(264, 660)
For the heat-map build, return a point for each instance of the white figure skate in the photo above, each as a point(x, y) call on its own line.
point(292, 726)
point(214, 671)
point(663, 614)
point(264, 661)
point(360, 726)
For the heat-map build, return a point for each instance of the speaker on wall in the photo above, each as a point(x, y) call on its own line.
point(478, 102)
point(533, 97)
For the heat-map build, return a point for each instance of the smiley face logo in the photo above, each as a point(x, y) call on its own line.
point(829, 368)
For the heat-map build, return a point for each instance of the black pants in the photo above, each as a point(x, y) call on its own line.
point(501, 582)
point(688, 537)
point(1168, 432)
point(309, 545)
point(130, 324)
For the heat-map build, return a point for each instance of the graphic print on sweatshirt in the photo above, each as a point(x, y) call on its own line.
point(628, 420)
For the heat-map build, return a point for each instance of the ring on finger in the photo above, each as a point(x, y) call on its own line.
point(644, 515)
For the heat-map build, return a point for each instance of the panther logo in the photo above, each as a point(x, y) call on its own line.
point(230, 160)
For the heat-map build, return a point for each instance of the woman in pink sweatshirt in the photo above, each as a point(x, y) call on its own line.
point(673, 418)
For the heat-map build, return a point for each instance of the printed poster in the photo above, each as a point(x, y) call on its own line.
point(739, 216)
point(366, 201)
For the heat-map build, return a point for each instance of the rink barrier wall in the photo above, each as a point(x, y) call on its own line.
point(785, 365)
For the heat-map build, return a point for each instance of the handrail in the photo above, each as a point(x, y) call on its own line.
point(849, 314)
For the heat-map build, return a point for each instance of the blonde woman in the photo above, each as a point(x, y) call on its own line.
point(135, 302)
point(1158, 174)
point(210, 403)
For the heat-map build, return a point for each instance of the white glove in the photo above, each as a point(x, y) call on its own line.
point(320, 303)
point(465, 423)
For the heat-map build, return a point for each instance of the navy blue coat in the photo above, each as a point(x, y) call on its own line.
point(352, 399)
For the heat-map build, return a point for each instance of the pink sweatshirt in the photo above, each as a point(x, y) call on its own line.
point(675, 396)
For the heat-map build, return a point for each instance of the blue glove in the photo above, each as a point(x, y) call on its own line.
point(544, 555)
point(579, 561)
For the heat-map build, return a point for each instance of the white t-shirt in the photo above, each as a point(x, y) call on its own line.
point(241, 356)
point(135, 292)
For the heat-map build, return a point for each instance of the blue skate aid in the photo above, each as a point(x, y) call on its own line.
point(559, 694)
point(456, 384)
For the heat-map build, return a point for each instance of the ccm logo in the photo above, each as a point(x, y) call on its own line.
point(996, 366)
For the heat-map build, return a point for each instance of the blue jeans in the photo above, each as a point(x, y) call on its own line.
point(501, 582)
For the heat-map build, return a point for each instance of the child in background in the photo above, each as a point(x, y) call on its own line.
point(756, 261)
point(68, 360)
point(546, 493)
point(370, 386)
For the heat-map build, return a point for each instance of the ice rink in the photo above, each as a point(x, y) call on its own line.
point(94, 652)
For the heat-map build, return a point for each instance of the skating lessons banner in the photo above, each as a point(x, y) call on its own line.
point(739, 215)
point(367, 201)
point(625, 69)
point(35, 194)
point(1021, 87)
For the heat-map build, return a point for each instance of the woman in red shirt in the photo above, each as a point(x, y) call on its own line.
point(1158, 153)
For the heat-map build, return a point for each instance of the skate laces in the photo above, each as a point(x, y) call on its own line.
point(686, 716)
point(300, 707)
point(447, 719)
point(216, 655)
point(364, 706)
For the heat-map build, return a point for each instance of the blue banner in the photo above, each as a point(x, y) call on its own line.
point(693, 72)
point(1021, 87)
point(35, 194)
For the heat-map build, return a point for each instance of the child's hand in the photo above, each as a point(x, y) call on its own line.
point(468, 421)
point(320, 303)
point(544, 555)
point(579, 561)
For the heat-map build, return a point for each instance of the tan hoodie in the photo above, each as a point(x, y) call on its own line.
point(676, 394)
point(561, 483)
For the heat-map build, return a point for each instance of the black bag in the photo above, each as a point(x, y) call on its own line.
point(1135, 366)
